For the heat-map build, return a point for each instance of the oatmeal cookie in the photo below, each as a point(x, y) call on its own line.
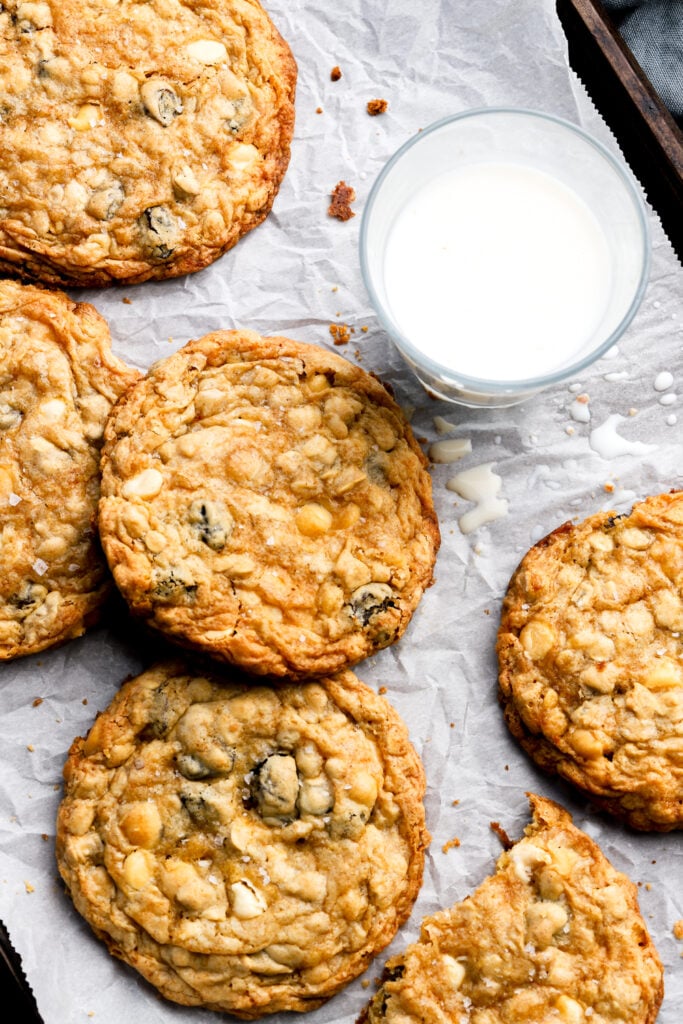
point(591, 674)
point(137, 140)
point(264, 501)
point(245, 848)
point(554, 935)
point(58, 382)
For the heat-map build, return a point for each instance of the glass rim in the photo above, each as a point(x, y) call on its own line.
point(501, 386)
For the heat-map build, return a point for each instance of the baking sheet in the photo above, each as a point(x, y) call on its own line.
point(297, 274)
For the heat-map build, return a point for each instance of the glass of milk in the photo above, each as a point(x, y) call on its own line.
point(504, 250)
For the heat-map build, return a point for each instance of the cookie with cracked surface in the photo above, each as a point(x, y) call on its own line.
point(58, 383)
point(554, 935)
point(245, 848)
point(591, 677)
point(265, 501)
point(137, 140)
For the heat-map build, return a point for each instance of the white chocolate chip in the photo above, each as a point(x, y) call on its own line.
point(146, 484)
point(87, 117)
point(242, 155)
point(570, 1011)
point(454, 971)
point(442, 426)
point(451, 450)
point(52, 410)
point(246, 901)
point(185, 182)
point(207, 51)
point(526, 857)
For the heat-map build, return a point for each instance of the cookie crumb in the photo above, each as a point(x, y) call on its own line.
point(335, 73)
point(452, 725)
point(84, 701)
point(341, 335)
point(678, 929)
point(29, 888)
point(376, 107)
point(342, 196)
point(30, 748)
point(44, 836)
point(609, 487)
point(365, 330)
point(126, 301)
point(454, 803)
point(37, 702)
point(450, 845)
point(365, 983)
point(318, 110)
point(505, 840)
point(382, 690)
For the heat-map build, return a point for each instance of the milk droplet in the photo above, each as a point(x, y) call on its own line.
point(580, 412)
point(612, 352)
point(663, 381)
point(14, 499)
point(608, 443)
point(481, 485)
point(669, 399)
point(576, 386)
point(671, 420)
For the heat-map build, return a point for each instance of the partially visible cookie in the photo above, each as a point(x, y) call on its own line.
point(58, 382)
point(591, 673)
point(137, 140)
point(265, 501)
point(555, 935)
point(245, 848)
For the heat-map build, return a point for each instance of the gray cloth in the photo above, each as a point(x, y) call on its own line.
point(653, 31)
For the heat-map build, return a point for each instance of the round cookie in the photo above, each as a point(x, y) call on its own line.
point(554, 935)
point(265, 501)
point(58, 382)
point(246, 848)
point(137, 140)
point(589, 647)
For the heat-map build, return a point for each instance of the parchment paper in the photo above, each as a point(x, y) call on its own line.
point(295, 275)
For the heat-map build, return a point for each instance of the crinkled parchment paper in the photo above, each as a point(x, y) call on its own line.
point(295, 275)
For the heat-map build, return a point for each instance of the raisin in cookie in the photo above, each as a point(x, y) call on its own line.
point(554, 935)
point(245, 848)
point(265, 501)
point(137, 140)
point(591, 676)
point(58, 382)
